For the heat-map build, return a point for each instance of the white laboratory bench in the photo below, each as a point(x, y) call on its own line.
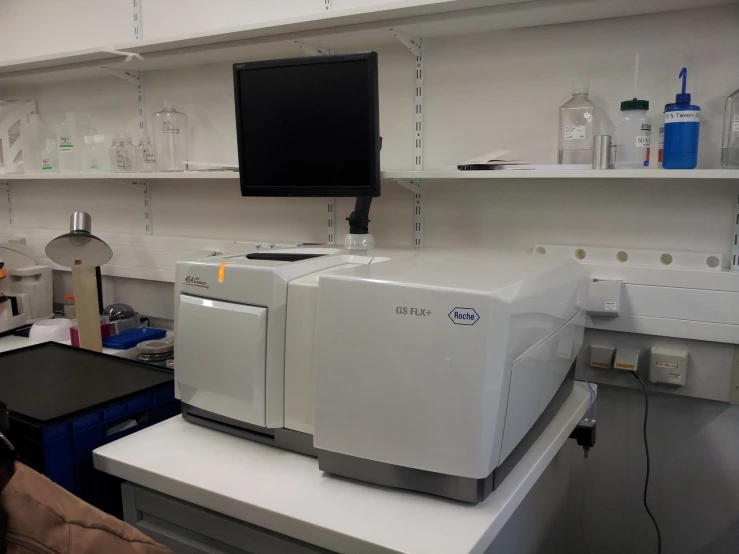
point(187, 482)
point(11, 342)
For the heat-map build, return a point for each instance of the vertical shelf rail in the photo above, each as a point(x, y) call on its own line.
point(148, 219)
point(313, 50)
point(415, 46)
point(138, 34)
point(6, 193)
point(735, 242)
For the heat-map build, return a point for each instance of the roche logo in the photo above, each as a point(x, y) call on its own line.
point(464, 316)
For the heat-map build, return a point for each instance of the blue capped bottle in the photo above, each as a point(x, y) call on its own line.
point(682, 129)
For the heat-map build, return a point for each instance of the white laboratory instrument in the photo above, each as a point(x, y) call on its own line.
point(26, 294)
point(233, 366)
point(431, 370)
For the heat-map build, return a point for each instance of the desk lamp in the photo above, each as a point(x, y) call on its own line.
point(84, 253)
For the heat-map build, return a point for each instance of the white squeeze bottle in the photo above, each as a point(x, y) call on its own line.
point(66, 136)
point(634, 135)
point(634, 130)
point(576, 123)
point(49, 158)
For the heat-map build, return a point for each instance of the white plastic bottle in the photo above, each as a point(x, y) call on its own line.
point(634, 135)
point(49, 157)
point(96, 155)
point(67, 143)
point(145, 158)
point(576, 127)
point(34, 140)
point(170, 139)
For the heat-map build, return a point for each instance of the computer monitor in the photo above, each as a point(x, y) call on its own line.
point(308, 126)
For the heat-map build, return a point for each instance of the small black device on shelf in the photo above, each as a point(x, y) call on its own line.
point(308, 126)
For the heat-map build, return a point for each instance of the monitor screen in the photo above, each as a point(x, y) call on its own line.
point(308, 126)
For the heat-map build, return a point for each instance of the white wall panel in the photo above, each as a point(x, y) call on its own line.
point(175, 17)
point(116, 207)
point(517, 214)
point(37, 27)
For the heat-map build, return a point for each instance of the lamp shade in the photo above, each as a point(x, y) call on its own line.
point(79, 246)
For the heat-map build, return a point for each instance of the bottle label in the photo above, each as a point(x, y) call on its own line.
point(65, 144)
point(45, 165)
point(148, 152)
point(643, 141)
point(684, 116)
point(574, 132)
point(736, 124)
point(168, 127)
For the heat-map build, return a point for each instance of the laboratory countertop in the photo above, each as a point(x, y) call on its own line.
point(287, 493)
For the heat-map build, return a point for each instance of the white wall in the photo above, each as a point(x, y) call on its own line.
point(176, 17)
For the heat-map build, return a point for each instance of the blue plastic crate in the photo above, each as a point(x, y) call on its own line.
point(63, 452)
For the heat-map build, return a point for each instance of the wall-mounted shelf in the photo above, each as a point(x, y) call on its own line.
point(633, 174)
point(696, 174)
point(348, 29)
point(119, 176)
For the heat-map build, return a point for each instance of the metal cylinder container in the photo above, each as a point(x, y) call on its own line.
point(602, 152)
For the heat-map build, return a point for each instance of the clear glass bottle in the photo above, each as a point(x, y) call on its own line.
point(145, 157)
point(117, 155)
point(67, 143)
point(34, 139)
point(730, 142)
point(49, 158)
point(576, 126)
point(170, 139)
point(129, 152)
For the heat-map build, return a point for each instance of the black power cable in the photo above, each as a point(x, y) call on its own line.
point(646, 449)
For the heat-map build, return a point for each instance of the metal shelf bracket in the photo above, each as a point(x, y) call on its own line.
point(312, 49)
point(129, 55)
point(410, 184)
point(415, 45)
point(127, 76)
